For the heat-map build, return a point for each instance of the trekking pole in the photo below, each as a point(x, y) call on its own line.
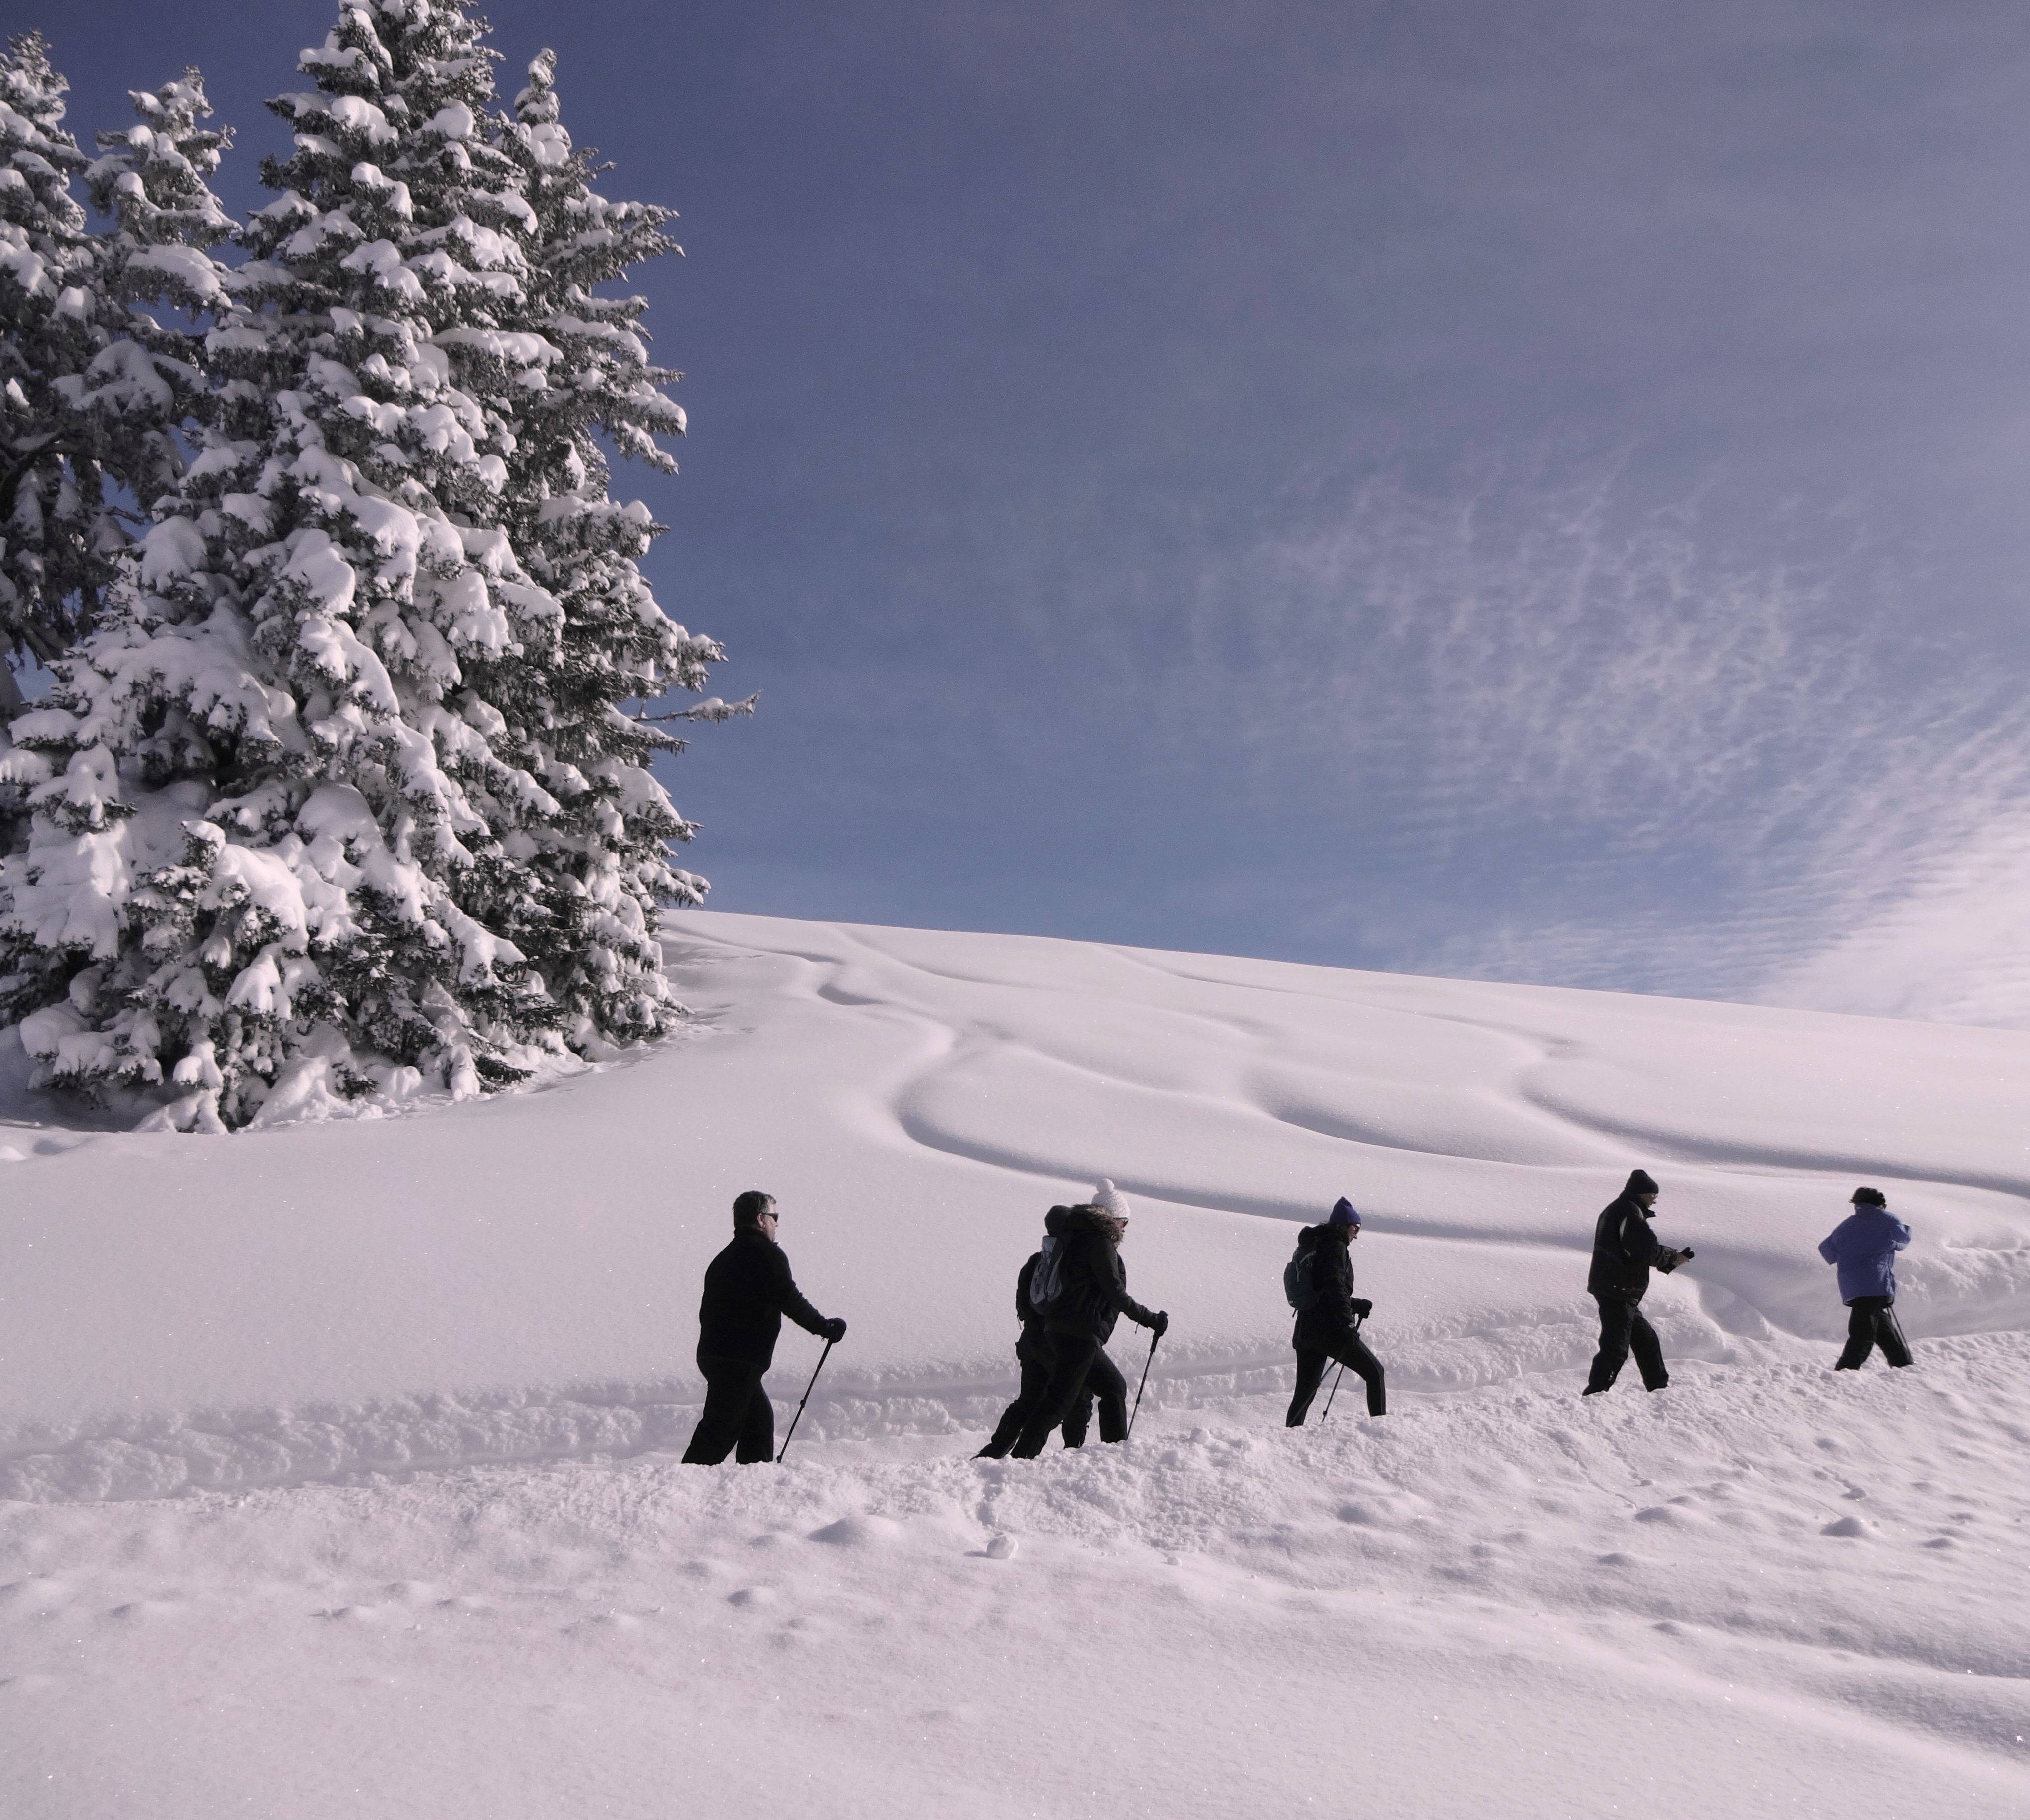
point(1334, 1391)
point(1140, 1387)
point(1331, 1393)
point(811, 1385)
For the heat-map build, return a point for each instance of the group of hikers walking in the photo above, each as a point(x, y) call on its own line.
point(1073, 1289)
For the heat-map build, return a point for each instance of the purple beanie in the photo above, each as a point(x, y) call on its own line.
point(1343, 1213)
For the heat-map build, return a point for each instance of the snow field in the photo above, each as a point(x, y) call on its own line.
point(1756, 1594)
point(337, 1461)
point(518, 1278)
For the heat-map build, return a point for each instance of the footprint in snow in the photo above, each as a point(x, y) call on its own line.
point(34, 1595)
point(856, 1532)
point(1001, 1548)
point(1846, 1526)
point(414, 1592)
point(749, 1597)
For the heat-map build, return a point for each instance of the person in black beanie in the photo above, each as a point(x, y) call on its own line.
point(1624, 1252)
point(1328, 1322)
point(747, 1289)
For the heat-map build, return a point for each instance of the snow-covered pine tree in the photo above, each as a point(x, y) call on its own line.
point(602, 865)
point(56, 538)
point(150, 182)
point(292, 823)
point(93, 386)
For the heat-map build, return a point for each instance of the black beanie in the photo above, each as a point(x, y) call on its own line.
point(1639, 1182)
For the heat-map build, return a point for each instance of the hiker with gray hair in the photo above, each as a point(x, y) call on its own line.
point(1864, 1245)
point(747, 1289)
point(1087, 1292)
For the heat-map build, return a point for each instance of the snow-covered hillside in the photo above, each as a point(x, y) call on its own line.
point(224, 1360)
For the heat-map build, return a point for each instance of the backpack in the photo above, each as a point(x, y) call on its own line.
point(1047, 1281)
point(1300, 1289)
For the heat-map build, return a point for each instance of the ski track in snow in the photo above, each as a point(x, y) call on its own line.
point(337, 1463)
point(1477, 1126)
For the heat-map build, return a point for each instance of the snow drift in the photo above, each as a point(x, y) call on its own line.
point(517, 1279)
point(1768, 1592)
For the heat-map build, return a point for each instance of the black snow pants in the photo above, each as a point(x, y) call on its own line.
point(738, 1416)
point(1870, 1322)
point(1624, 1329)
point(1079, 1368)
point(1351, 1350)
point(1028, 1399)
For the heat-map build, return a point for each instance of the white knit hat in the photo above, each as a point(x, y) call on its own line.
point(1111, 1198)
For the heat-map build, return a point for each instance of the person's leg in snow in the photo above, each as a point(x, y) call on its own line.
point(1310, 1374)
point(1351, 1351)
point(1870, 1322)
point(1889, 1336)
point(1008, 1430)
point(1072, 1358)
point(1347, 1348)
point(737, 1414)
point(1649, 1351)
point(1105, 1385)
point(1621, 1328)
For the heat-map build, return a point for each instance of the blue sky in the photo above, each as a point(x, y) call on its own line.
point(1532, 491)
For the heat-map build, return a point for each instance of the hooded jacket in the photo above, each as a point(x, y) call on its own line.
point(1864, 1245)
point(1624, 1249)
point(1331, 1311)
point(747, 1289)
point(1092, 1289)
point(1033, 1347)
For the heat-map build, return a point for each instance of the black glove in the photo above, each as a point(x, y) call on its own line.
point(1363, 1307)
point(833, 1330)
point(1161, 1325)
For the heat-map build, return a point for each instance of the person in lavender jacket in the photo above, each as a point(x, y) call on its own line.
point(1864, 1245)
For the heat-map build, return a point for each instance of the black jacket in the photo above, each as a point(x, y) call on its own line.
point(747, 1289)
point(1092, 1282)
point(1032, 1348)
point(1331, 1311)
point(1624, 1250)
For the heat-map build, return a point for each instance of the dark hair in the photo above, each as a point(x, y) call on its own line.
point(748, 1210)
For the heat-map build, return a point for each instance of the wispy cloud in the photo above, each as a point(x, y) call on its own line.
point(1846, 793)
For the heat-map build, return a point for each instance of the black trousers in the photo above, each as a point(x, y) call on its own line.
point(1622, 1330)
point(1351, 1350)
point(1015, 1418)
point(1079, 1367)
point(738, 1416)
point(1870, 1322)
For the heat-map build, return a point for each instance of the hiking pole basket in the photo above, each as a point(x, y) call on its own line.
point(1142, 1387)
point(811, 1385)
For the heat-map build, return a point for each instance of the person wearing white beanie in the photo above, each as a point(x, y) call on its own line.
point(1090, 1294)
